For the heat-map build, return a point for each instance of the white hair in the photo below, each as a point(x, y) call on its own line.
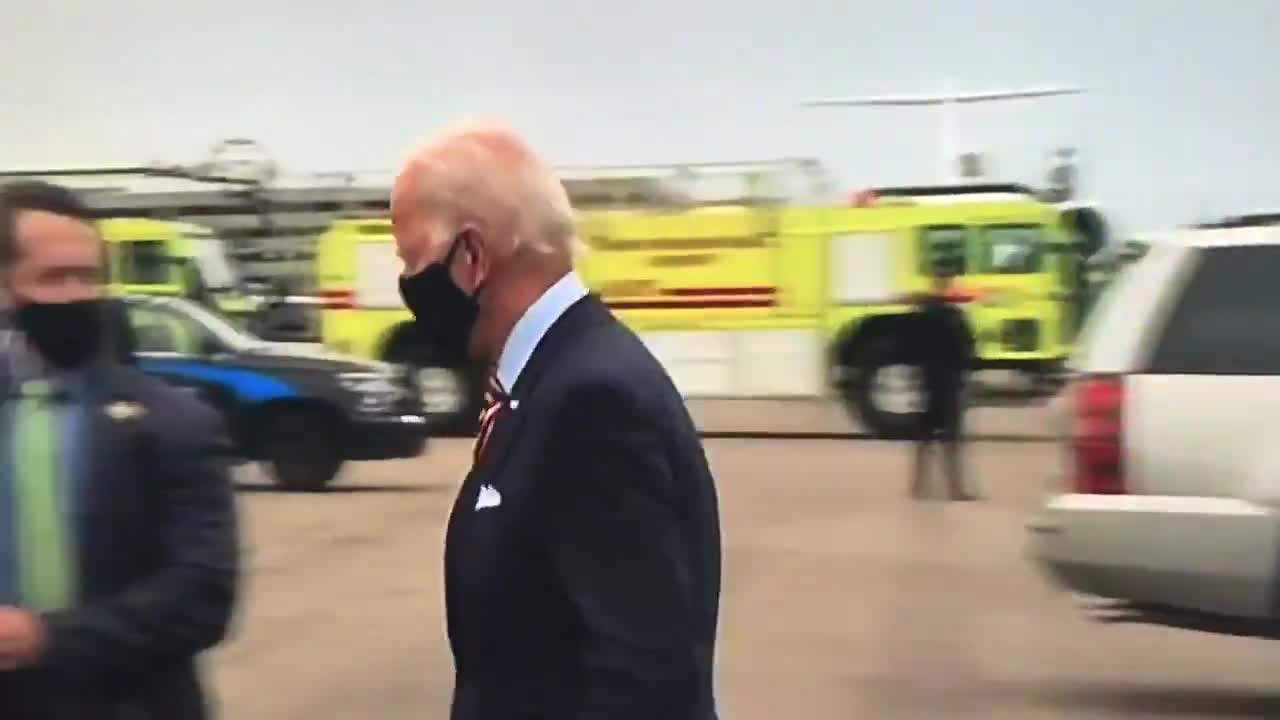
point(485, 176)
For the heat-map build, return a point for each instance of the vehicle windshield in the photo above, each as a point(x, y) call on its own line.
point(143, 262)
point(235, 337)
point(944, 247)
point(1012, 249)
point(210, 258)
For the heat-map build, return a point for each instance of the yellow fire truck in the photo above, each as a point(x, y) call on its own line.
point(763, 296)
point(146, 256)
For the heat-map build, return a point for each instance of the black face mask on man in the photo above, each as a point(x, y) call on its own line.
point(443, 312)
point(68, 335)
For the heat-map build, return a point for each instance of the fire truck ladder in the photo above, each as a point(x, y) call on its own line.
point(695, 185)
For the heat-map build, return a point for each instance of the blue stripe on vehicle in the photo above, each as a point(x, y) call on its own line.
point(246, 385)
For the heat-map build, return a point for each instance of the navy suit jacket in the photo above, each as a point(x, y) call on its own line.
point(158, 559)
point(587, 585)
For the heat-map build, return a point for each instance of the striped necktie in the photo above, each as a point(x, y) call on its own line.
point(495, 399)
point(44, 551)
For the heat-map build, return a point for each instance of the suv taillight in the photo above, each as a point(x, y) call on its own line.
point(1098, 440)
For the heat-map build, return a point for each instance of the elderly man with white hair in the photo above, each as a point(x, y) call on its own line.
point(582, 558)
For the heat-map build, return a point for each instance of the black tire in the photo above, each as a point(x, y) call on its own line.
point(445, 380)
point(1048, 380)
point(860, 398)
point(301, 449)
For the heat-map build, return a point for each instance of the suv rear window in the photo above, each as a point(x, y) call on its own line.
point(1227, 321)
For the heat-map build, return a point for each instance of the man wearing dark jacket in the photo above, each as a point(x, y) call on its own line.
point(944, 348)
point(118, 544)
point(582, 555)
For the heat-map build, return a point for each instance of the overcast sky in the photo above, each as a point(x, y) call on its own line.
point(1181, 122)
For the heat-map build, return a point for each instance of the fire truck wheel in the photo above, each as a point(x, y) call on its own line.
point(885, 393)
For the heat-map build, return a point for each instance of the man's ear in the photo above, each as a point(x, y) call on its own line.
point(476, 253)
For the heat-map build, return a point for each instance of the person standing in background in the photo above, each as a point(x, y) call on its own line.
point(119, 553)
point(943, 346)
point(582, 555)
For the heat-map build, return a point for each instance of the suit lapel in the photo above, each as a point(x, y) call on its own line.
point(106, 435)
point(580, 317)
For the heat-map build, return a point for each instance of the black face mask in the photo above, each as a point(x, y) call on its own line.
point(442, 311)
point(68, 335)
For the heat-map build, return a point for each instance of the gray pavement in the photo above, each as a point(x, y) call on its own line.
point(841, 600)
point(828, 416)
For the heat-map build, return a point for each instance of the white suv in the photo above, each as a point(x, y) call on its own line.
point(1169, 502)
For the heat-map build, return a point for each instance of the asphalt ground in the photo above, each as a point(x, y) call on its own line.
point(1036, 421)
point(841, 599)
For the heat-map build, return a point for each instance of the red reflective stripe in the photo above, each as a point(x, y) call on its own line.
point(690, 304)
point(337, 299)
point(720, 291)
point(702, 298)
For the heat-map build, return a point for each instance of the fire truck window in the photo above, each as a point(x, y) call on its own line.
point(144, 263)
point(944, 248)
point(1012, 249)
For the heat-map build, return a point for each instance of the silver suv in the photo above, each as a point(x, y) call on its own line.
point(1168, 500)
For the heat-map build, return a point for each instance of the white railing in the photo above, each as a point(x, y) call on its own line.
point(699, 183)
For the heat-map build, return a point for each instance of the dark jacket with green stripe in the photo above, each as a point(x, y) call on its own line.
point(158, 556)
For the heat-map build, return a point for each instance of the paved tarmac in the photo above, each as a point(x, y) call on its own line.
point(842, 599)
point(1036, 421)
